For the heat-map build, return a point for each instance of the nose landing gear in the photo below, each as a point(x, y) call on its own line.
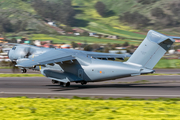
point(23, 70)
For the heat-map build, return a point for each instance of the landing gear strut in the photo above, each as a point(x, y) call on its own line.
point(23, 70)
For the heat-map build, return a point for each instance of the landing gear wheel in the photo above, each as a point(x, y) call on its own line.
point(67, 84)
point(83, 83)
point(54, 81)
point(61, 84)
point(23, 70)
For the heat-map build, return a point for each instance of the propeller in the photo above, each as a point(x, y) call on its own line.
point(28, 52)
point(14, 68)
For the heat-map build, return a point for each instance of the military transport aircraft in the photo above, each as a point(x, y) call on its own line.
point(65, 65)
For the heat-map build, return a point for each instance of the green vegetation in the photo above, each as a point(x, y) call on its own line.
point(29, 15)
point(160, 74)
point(82, 39)
point(5, 67)
point(79, 109)
point(21, 75)
point(164, 63)
point(120, 7)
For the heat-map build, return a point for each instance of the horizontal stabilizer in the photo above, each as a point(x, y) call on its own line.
point(174, 37)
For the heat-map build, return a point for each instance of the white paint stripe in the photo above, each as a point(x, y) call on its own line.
point(88, 94)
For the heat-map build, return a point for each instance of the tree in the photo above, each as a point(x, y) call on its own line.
point(162, 19)
point(74, 45)
point(60, 11)
point(88, 48)
point(101, 8)
point(96, 47)
point(175, 8)
point(5, 25)
point(147, 1)
point(157, 12)
point(106, 49)
point(135, 18)
point(13, 40)
point(125, 44)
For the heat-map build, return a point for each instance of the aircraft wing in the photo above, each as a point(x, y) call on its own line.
point(50, 57)
point(106, 55)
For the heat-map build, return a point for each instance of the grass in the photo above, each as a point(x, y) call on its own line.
point(160, 74)
point(112, 25)
point(5, 67)
point(168, 64)
point(79, 109)
point(104, 25)
point(21, 75)
point(80, 39)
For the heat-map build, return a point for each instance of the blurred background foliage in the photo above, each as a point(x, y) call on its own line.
point(126, 18)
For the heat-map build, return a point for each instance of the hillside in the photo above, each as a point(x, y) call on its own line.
point(160, 15)
point(119, 7)
point(20, 13)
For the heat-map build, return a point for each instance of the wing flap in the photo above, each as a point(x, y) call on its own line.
point(107, 55)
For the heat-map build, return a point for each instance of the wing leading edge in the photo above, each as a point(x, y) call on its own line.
point(50, 57)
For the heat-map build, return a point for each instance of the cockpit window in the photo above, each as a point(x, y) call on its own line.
point(13, 48)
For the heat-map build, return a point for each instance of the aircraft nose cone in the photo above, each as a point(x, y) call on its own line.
point(9, 55)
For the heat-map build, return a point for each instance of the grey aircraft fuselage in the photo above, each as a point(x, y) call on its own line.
point(67, 65)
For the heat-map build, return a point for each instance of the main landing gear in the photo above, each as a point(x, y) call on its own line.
point(23, 70)
point(64, 84)
point(61, 83)
point(83, 83)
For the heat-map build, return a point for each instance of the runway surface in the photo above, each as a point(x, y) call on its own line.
point(137, 87)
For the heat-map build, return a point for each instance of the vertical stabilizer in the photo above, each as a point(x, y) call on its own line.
point(151, 50)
